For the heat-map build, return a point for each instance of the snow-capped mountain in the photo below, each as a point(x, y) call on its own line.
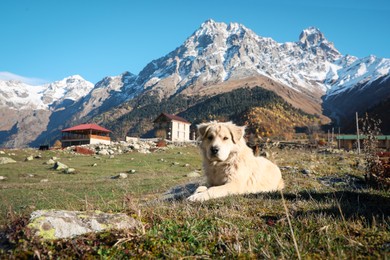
point(218, 52)
point(17, 95)
point(310, 73)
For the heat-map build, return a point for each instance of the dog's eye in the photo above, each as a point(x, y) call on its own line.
point(225, 138)
point(210, 137)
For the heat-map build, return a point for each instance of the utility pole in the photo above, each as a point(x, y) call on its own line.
point(357, 131)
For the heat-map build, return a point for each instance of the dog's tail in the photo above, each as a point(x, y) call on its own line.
point(281, 184)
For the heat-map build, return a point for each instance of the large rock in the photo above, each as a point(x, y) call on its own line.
point(55, 224)
point(5, 160)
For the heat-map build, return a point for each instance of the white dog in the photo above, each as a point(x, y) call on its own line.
point(230, 166)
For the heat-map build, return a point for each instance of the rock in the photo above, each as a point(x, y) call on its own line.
point(5, 160)
point(69, 171)
point(132, 171)
point(57, 224)
point(29, 158)
point(180, 192)
point(50, 162)
point(44, 180)
point(121, 175)
point(193, 174)
point(112, 157)
point(103, 152)
point(60, 166)
point(2, 152)
point(265, 154)
point(54, 158)
point(2, 178)
point(39, 156)
point(186, 165)
point(175, 163)
point(306, 172)
point(94, 165)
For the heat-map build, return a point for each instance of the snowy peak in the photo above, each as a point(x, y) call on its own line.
point(18, 95)
point(72, 88)
point(313, 39)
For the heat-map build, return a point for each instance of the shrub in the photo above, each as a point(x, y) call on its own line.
point(376, 169)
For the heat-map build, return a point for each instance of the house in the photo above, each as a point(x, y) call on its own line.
point(172, 127)
point(85, 134)
point(349, 142)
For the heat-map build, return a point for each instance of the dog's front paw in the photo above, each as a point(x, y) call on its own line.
point(200, 189)
point(201, 196)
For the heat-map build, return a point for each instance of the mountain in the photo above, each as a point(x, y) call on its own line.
point(26, 110)
point(310, 74)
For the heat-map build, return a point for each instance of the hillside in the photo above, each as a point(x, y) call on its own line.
point(238, 105)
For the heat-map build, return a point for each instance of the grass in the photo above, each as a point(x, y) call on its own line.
point(344, 220)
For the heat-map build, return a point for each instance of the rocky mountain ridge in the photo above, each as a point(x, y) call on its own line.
point(311, 74)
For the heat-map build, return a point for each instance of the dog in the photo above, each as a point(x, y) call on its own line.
point(230, 165)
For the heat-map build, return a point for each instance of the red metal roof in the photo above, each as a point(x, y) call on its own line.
point(86, 127)
point(172, 117)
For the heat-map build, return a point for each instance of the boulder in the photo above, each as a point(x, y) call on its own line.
point(5, 160)
point(56, 224)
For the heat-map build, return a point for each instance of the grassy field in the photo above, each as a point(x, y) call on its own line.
point(326, 208)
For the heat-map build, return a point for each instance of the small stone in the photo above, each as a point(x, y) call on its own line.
point(69, 171)
point(193, 174)
point(44, 180)
point(132, 171)
point(121, 175)
point(94, 165)
point(186, 165)
point(50, 162)
point(306, 172)
point(60, 166)
point(29, 158)
point(2, 178)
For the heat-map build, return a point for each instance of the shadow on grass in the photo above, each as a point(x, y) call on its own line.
point(344, 204)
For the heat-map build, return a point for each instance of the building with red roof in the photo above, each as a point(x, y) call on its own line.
point(172, 127)
point(85, 134)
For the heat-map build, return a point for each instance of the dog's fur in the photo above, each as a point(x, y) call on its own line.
point(230, 166)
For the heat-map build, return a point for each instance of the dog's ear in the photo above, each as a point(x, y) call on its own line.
point(237, 132)
point(202, 129)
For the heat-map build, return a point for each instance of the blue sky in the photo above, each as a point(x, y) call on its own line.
point(48, 40)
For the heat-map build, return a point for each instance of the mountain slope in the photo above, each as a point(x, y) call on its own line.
point(217, 59)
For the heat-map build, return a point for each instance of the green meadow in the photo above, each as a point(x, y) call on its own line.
point(325, 212)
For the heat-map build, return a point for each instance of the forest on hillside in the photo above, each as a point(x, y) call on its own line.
point(264, 112)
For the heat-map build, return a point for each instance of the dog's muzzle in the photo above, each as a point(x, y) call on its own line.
point(214, 150)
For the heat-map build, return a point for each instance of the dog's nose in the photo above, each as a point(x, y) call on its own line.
point(214, 150)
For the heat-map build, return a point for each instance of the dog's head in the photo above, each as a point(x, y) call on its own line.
point(219, 140)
